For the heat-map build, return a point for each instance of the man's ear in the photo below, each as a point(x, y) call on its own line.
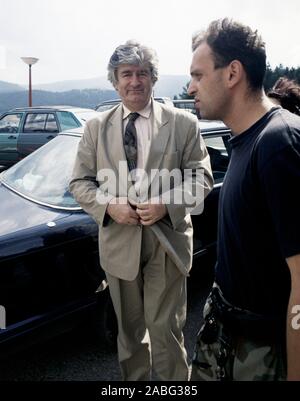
point(115, 85)
point(235, 72)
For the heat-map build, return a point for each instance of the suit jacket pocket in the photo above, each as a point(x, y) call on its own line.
point(120, 247)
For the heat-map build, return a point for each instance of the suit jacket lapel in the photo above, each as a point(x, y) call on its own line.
point(116, 153)
point(114, 138)
point(160, 137)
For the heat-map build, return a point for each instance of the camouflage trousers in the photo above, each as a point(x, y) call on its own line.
point(223, 356)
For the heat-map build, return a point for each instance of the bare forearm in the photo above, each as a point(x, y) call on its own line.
point(293, 341)
point(293, 321)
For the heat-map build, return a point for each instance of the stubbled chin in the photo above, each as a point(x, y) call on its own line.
point(136, 102)
point(137, 98)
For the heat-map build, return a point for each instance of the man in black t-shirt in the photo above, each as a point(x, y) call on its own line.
point(251, 329)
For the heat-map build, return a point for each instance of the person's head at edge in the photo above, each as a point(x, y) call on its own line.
point(228, 67)
point(286, 93)
point(133, 71)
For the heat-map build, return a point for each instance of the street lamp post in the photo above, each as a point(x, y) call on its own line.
point(30, 61)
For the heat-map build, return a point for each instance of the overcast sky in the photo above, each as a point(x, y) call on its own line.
point(74, 39)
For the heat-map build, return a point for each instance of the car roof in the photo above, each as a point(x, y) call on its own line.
point(206, 127)
point(52, 108)
point(112, 101)
point(184, 100)
point(118, 100)
point(74, 131)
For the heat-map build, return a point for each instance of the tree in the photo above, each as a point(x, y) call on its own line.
point(184, 94)
point(280, 71)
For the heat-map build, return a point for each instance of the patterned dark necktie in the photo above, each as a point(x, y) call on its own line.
point(130, 142)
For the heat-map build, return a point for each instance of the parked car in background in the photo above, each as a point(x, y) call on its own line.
point(185, 104)
point(109, 104)
point(50, 275)
point(22, 130)
point(188, 105)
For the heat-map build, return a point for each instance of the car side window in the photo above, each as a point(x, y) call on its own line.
point(51, 124)
point(40, 122)
point(66, 120)
point(35, 122)
point(219, 157)
point(10, 123)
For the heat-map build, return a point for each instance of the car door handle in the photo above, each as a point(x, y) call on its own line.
point(12, 137)
point(50, 137)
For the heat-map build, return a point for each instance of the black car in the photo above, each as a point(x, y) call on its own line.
point(50, 275)
point(22, 130)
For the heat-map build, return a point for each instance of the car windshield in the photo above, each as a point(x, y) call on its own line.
point(86, 115)
point(44, 175)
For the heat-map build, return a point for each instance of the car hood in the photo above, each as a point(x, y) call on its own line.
point(17, 213)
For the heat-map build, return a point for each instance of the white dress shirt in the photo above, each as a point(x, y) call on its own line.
point(143, 125)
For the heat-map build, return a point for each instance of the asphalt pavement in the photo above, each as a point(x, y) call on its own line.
point(78, 355)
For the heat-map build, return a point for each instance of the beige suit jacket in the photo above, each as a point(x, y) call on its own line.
point(176, 143)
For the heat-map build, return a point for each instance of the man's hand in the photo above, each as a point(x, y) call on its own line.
point(121, 212)
point(150, 213)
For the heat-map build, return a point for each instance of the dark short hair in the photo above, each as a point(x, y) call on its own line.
point(287, 92)
point(230, 40)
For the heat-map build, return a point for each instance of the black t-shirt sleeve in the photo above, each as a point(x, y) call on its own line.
point(280, 178)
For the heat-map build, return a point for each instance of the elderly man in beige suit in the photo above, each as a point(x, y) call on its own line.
point(122, 179)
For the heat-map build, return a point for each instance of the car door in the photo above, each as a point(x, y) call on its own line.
point(9, 132)
point(205, 224)
point(39, 128)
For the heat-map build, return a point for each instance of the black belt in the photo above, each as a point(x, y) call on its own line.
point(246, 323)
